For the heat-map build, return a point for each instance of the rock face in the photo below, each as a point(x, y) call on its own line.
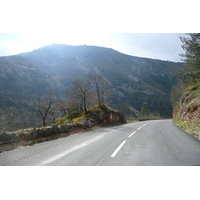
point(188, 111)
point(189, 106)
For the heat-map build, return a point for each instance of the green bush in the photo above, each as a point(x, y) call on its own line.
point(63, 120)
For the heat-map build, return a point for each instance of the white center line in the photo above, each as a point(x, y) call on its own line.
point(139, 128)
point(116, 151)
point(132, 134)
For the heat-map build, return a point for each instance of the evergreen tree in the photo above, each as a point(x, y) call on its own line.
point(191, 56)
point(144, 110)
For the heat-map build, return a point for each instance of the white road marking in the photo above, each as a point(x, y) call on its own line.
point(54, 158)
point(116, 151)
point(132, 134)
point(139, 128)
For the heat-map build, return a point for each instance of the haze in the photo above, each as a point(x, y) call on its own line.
point(163, 46)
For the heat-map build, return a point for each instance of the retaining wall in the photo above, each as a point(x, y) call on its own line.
point(33, 133)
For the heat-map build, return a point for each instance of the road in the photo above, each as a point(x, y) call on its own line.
point(148, 143)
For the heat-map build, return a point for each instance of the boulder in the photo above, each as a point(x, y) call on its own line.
point(48, 130)
point(55, 130)
point(40, 132)
point(63, 128)
point(14, 137)
point(27, 134)
point(4, 137)
point(87, 123)
point(122, 118)
point(34, 133)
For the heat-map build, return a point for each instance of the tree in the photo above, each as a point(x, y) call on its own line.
point(61, 106)
point(144, 110)
point(176, 92)
point(70, 109)
point(100, 85)
point(191, 56)
point(44, 106)
point(80, 91)
point(96, 79)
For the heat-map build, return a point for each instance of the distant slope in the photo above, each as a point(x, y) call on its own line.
point(21, 83)
point(132, 80)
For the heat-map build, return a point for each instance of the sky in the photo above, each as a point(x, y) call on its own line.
point(140, 28)
point(163, 46)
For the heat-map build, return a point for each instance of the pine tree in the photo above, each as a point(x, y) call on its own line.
point(144, 110)
point(191, 56)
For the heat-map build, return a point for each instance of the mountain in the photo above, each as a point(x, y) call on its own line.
point(132, 80)
point(21, 83)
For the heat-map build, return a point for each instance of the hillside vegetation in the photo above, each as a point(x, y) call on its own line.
point(21, 83)
point(131, 81)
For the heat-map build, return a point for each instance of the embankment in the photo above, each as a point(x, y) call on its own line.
point(187, 113)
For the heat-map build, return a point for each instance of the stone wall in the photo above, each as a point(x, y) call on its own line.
point(33, 133)
point(97, 118)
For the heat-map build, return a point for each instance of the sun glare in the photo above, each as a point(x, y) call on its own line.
point(41, 39)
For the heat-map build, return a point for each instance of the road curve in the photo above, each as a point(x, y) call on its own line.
point(148, 143)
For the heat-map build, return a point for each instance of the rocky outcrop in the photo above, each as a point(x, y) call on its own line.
point(189, 106)
point(101, 114)
point(187, 113)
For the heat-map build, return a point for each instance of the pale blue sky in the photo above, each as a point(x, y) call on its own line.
point(164, 46)
point(92, 22)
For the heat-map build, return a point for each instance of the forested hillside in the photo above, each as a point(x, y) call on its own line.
point(131, 81)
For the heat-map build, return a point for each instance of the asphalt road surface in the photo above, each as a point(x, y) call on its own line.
point(148, 143)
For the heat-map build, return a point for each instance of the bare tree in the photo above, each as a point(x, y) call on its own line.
point(96, 79)
point(44, 106)
point(61, 106)
point(80, 91)
point(100, 84)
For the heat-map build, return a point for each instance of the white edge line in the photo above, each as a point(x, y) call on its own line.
point(56, 157)
point(132, 134)
point(116, 151)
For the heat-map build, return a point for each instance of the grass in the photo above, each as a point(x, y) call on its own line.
point(132, 120)
point(192, 127)
point(76, 119)
point(63, 120)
